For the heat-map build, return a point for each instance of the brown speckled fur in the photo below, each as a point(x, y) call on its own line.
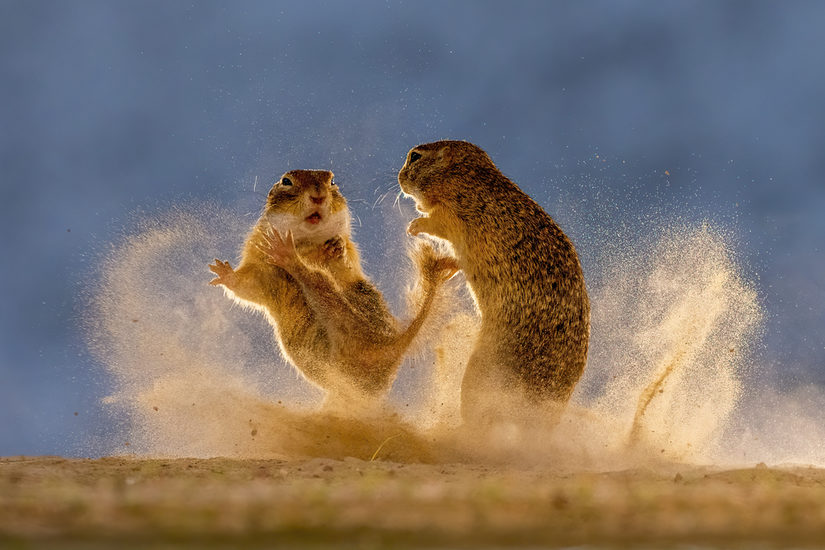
point(332, 324)
point(522, 269)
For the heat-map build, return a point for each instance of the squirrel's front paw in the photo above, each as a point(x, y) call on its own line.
point(417, 226)
point(225, 274)
point(277, 250)
point(446, 267)
point(333, 249)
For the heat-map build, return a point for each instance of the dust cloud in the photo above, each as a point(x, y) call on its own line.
point(675, 324)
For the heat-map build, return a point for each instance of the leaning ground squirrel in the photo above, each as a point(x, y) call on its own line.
point(301, 268)
point(523, 272)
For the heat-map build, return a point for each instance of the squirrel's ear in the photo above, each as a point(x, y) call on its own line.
point(445, 154)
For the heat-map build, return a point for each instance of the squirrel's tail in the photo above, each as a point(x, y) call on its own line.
point(434, 269)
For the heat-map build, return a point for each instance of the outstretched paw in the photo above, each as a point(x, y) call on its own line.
point(225, 274)
point(278, 250)
point(435, 265)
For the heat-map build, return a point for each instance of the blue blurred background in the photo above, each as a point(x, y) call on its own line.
point(603, 111)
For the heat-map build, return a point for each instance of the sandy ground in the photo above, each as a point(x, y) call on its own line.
point(75, 503)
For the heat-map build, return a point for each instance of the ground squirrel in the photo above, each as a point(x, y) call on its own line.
point(301, 268)
point(523, 272)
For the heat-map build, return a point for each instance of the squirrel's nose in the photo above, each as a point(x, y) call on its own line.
point(318, 200)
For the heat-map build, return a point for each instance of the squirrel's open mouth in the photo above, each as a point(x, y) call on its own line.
point(313, 218)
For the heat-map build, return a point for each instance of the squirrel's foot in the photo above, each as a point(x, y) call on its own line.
point(225, 274)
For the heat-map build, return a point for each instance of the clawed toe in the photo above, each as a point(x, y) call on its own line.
point(223, 271)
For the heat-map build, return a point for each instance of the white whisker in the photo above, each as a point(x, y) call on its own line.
point(380, 199)
point(398, 201)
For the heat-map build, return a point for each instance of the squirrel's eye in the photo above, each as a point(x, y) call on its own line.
point(414, 156)
point(332, 182)
point(286, 181)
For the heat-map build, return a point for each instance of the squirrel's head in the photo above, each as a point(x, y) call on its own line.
point(308, 203)
point(443, 171)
